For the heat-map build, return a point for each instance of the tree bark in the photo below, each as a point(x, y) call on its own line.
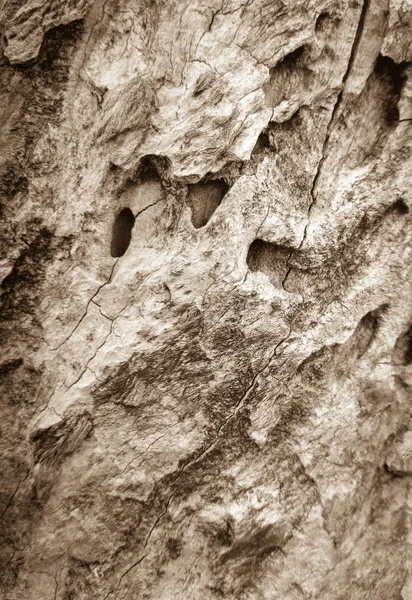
point(205, 310)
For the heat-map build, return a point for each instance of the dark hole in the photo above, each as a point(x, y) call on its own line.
point(270, 259)
point(153, 167)
point(204, 198)
point(56, 42)
point(226, 535)
point(259, 543)
point(367, 329)
point(10, 366)
point(122, 232)
point(386, 67)
point(259, 255)
point(322, 21)
point(147, 169)
point(401, 207)
point(392, 77)
point(290, 59)
point(262, 142)
point(203, 82)
point(281, 76)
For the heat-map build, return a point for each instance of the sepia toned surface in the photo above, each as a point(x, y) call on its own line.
point(206, 320)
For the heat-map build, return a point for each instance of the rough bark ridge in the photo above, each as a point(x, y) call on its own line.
point(206, 280)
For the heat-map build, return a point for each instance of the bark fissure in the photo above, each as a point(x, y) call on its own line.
point(329, 129)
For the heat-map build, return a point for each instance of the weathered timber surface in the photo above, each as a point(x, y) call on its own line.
point(206, 319)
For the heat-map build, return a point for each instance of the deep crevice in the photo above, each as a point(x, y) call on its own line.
point(331, 124)
point(122, 232)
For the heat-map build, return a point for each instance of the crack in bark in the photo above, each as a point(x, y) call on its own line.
point(233, 414)
point(149, 446)
point(91, 358)
point(125, 573)
point(334, 117)
point(87, 306)
point(139, 560)
point(10, 500)
point(249, 52)
point(109, 280)
point(147, 207)
point(99, 20)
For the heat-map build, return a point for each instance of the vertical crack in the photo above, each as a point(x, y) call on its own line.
point(334, 117)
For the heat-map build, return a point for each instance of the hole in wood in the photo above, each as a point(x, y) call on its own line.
point(322, 22)
point(392, 79)
point(122, 232)
point(270, 259)
point(262, 142)
point(401, 207)
point(204, 198)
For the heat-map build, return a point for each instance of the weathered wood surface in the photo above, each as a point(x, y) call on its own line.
point(206, 300)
